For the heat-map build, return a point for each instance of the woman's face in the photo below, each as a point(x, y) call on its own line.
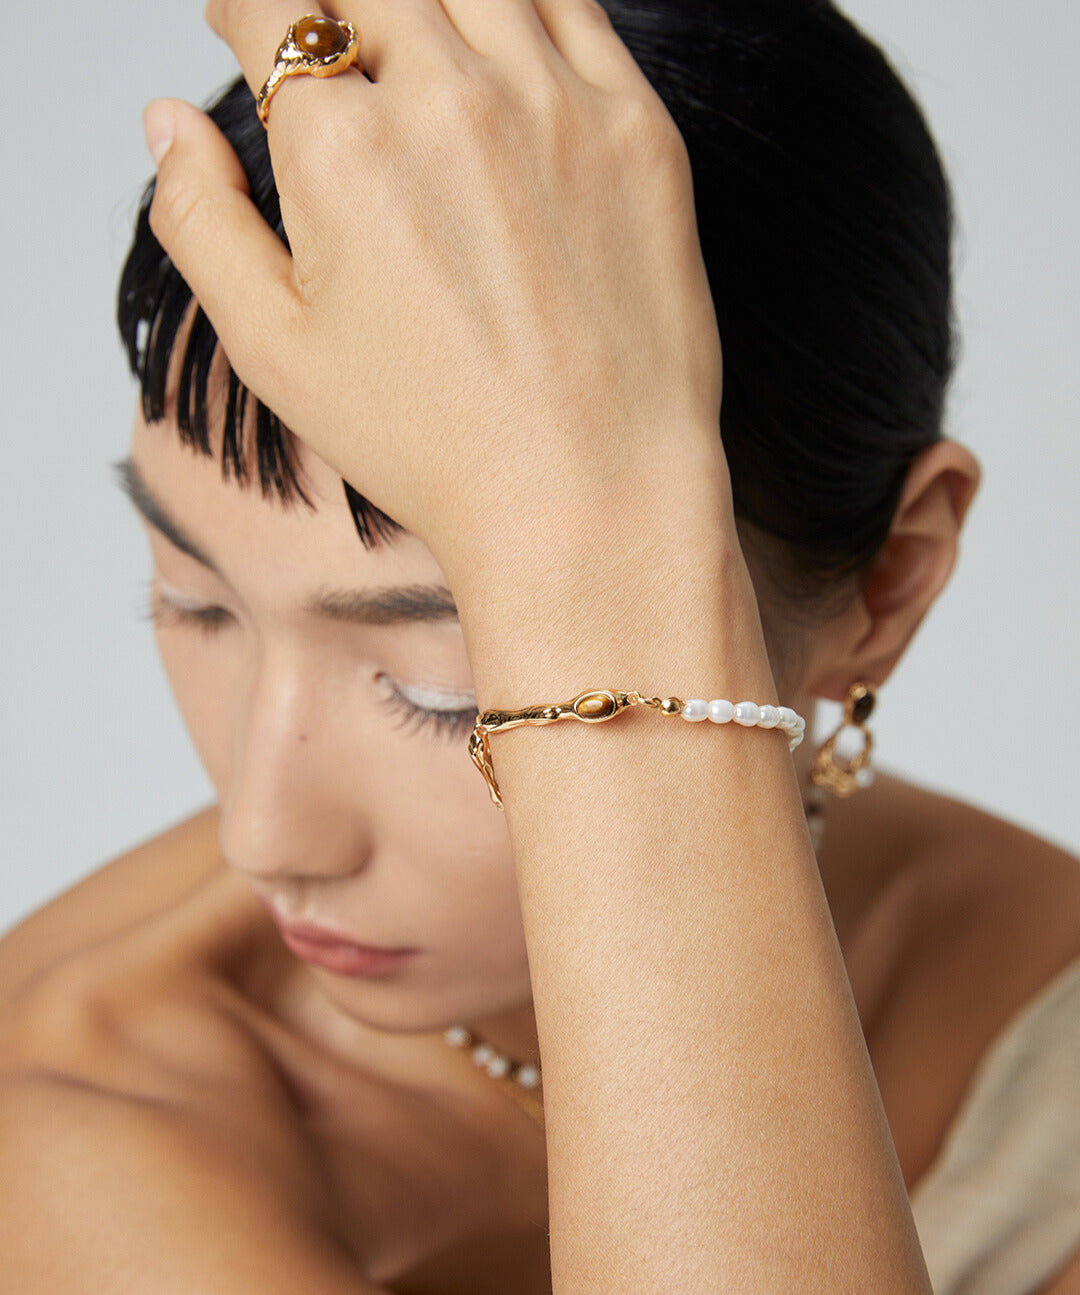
point(340, 806)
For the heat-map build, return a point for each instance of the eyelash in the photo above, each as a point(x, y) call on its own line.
point(159, 612)
point(446, 723)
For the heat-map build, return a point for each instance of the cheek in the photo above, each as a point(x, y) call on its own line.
point(441, 816)
point(206, 678)
point(458, 848)
point(419, 801)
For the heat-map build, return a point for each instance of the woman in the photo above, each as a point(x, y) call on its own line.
point(751, 1054)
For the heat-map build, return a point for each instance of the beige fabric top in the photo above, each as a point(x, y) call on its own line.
point(999, 1210)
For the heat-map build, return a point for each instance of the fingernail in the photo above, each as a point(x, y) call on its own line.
point(158, 125)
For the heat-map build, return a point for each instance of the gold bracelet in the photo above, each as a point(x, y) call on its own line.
point(600, 704)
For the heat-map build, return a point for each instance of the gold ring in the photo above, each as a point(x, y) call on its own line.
point(320, 46)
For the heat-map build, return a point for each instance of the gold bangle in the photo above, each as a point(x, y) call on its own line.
point(601, 704)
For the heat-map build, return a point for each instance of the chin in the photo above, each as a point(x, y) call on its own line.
point(400, 1008)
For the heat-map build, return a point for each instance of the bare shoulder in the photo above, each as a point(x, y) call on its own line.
point(114, 897)
point(121, 1192)
point(120, 984)
point(112, 1002)
point(980, 915)
point(148, 1127)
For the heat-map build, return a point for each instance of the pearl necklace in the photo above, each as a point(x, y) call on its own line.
point(519, 1080)
point(522, 1080)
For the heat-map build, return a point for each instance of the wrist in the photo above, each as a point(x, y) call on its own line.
point(644, 591)
point(585, 514)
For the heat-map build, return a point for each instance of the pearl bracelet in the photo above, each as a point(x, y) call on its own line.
point(600, 704)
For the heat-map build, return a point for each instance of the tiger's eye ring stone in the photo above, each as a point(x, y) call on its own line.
point(320, 37)
point(315, 45)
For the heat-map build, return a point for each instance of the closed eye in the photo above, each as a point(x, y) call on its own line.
point(447, 723)
point(164, 613)
point(452, 724)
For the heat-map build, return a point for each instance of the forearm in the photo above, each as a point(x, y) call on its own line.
point(713, 1122)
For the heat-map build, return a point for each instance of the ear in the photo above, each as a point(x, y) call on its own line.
point(912, 567)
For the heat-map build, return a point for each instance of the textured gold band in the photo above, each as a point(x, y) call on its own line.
point(592, 707)
point(314, 45)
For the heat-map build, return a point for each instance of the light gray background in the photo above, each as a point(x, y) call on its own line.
point(987, 704)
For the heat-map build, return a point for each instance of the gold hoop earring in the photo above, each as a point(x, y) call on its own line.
point(835, 770)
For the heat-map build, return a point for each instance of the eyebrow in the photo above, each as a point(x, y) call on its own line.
point(389, 605)
point(133, 484)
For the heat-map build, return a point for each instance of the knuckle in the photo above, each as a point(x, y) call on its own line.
point(310, 147)
point(645, 128)
point(593, 11)
point(321, 157)
point(226, 16)
point(463, 106)
point(589, 10)
point(552, 98)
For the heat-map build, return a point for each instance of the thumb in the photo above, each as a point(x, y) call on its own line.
point(238, 269)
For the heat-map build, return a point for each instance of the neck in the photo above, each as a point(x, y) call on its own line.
point(511, 1033)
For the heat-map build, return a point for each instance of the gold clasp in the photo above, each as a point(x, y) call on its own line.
point(592, 707)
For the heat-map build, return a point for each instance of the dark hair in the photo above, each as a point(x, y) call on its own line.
point(825, 221)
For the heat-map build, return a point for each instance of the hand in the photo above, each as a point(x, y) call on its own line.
point(496, 300)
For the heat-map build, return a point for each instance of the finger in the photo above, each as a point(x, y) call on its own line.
point(254, 29)
point(503, 30)
point(235, 265)
point(401, 37)
point(582, 33)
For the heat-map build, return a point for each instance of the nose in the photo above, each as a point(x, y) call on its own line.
point(292, 808)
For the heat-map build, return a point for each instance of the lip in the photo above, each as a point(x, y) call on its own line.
point(325, 948)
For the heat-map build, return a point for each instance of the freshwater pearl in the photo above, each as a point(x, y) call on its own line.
point(850, 742)
point(747, 713)
point(485, 1056)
